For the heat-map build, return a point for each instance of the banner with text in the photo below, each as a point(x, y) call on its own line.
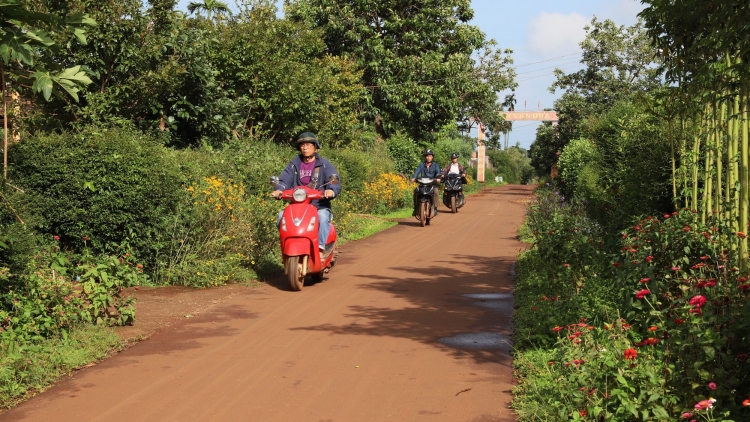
point(545, 116)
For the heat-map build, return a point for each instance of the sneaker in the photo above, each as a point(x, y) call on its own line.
point(322, 253)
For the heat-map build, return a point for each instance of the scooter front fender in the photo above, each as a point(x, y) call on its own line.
point(297, 246)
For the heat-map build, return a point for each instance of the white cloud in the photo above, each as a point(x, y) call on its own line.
point(556, 34)
point(623, 12)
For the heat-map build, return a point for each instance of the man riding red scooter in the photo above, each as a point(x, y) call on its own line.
point(308, 239)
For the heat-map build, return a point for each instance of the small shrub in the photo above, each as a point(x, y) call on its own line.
point(108, 185)
point(59, 290)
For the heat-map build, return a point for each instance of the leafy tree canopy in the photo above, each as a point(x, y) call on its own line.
point(423, 64)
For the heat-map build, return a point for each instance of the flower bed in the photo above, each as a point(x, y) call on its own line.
point(651, 323)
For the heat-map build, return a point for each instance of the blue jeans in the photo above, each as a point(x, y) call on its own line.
point(324, 225)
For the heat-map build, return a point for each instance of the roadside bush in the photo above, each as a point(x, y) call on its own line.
point(99, 188)
point(450, 141)
point(355, 167)
point(632, 162)
point(220, 236)
point(575, 157)
point(512, 165)
point(405, 153)
point(665, 334)
point(59, 290)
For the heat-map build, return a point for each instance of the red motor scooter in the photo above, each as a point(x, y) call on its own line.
point(298, 231)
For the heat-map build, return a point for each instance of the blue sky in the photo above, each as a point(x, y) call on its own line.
point(543, 34)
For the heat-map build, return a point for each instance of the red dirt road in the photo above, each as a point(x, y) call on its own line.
point(363, 345)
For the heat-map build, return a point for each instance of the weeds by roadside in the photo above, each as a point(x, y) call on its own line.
point(26, 369)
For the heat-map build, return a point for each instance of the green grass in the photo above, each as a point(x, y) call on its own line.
point(525, 235)
point(367, 226)
point(398, 214)
point(29, 368)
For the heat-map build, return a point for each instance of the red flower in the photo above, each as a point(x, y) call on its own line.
point(577, 362)
point(533, 308)
point(675, 268)
point(653, 328)
point(705, 258)
point(686, 229)
point(566, 265)
point(616, 264)
point(630, 354)
point(679, 321)
point(583, 413)
point(554, 299)
point(644, 280)
point(550, 363)
point(698, 301)
point(666, 216)
point(556, 329)
point(745, 287)
point(696, 311)
point(56, 238)
point(711, 283)
point(650, 341)
point(642, 293)
point(625, 327)
point(698, 266)
point(741, 235)
point(742, 357)
point(746, 402)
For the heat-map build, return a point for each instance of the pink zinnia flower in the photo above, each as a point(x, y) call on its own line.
point(642, 293)
point(712, 385)
point(698, 301)
point(705, 404)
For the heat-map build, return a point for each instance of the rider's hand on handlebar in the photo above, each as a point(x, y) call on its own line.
point(413, 180)
point(276, 194)
point(329, 193)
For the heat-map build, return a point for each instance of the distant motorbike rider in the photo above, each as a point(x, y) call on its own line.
point(430, 170)
point(455, 168)
point(311, 170)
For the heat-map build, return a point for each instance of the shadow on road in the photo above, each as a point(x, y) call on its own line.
point(436, 308)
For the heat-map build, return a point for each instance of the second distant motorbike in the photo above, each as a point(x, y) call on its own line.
point(453, 193)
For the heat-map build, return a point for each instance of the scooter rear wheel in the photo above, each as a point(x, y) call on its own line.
point(294, 273)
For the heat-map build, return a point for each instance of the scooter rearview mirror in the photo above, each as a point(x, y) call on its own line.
point(274, 180)
point(333, 179)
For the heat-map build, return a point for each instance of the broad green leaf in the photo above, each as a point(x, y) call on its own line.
point(42, 83)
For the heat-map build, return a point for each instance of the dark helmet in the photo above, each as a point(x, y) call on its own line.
point(428, 152)
point(308, 137)
point(454, 155)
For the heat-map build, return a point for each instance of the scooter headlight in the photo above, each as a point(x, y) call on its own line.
point(299, 195)
point(283, 224)
point(311, 226)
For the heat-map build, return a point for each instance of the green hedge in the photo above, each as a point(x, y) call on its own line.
point(99, 188)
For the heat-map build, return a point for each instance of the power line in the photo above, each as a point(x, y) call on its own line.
point(548, 60)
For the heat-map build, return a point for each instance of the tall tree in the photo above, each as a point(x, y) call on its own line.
point(211, 7)
point(26, 44)
point(417, 58)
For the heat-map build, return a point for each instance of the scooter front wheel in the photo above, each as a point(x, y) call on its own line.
point(294, 273)
point(453, 204)
point(423, 213)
